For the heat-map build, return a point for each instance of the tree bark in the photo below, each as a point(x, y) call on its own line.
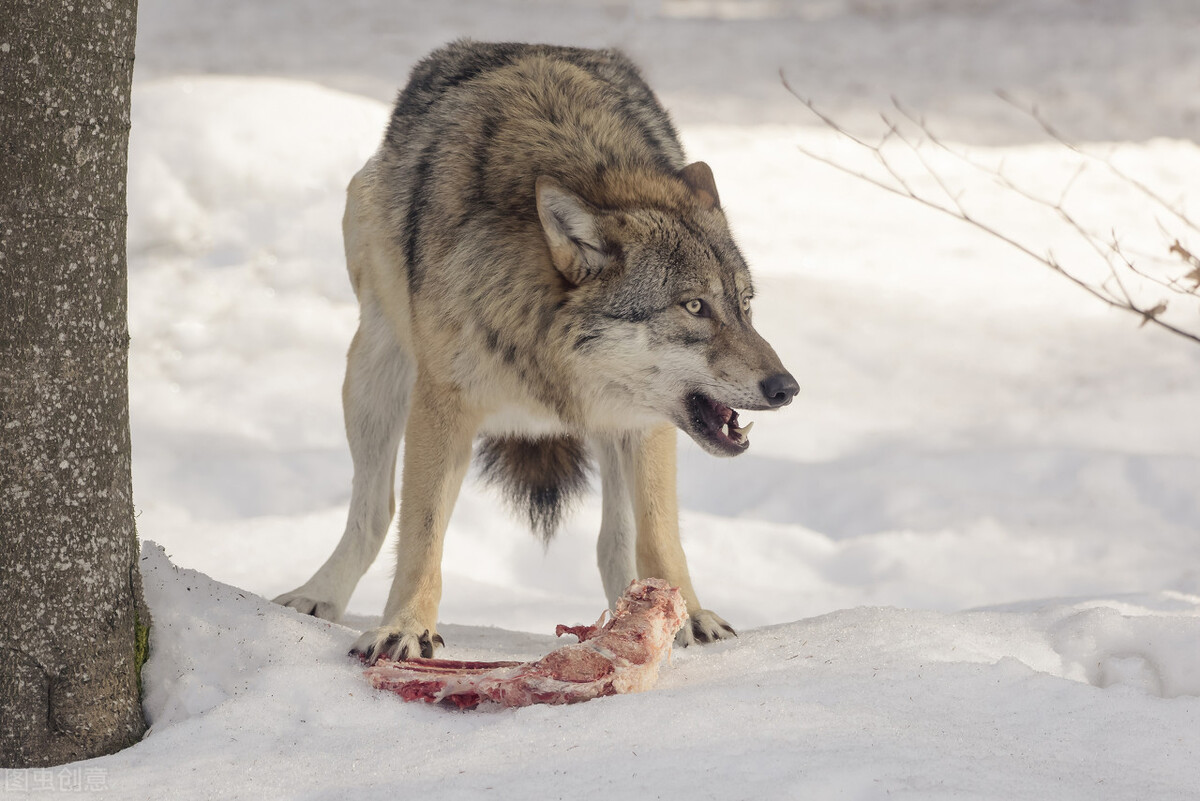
point(72, 620)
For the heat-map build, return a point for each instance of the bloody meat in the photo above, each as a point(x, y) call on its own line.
point(620, 656)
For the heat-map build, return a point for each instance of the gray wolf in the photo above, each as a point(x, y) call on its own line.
point(539, 268)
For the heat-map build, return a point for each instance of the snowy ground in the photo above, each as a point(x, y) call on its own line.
point(964, 563)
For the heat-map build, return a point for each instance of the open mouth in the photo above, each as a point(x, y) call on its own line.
point(717, 424)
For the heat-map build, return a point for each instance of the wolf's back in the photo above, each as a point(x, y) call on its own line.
point(478, 123)
point(435, 79)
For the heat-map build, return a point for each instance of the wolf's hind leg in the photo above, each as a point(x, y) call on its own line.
point(659, 551)
point(437, 453)
point(375, 399)
point(616, 546)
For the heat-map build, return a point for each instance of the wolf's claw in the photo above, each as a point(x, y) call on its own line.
point(702, 627)
point(387, 642)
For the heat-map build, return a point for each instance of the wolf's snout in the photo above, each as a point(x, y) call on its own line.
point(779, 389)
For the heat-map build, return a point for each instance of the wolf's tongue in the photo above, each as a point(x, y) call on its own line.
point(716, 414)
point(719, 420)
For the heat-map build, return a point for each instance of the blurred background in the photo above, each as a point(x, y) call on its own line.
point(973, 429)
point(1105, 69)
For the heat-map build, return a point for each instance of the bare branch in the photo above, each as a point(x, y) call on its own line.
point(1094, 240)
point(1114, 290)
point(1054, 134)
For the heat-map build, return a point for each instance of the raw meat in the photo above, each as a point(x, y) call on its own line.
point(621, 656)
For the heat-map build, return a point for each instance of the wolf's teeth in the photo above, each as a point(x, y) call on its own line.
point(738, 434)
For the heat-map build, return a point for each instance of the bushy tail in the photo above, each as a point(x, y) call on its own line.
point(540, 476)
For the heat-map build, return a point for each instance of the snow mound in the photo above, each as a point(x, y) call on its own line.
point(850, 702)
point(1154, 654)
point(213, 643)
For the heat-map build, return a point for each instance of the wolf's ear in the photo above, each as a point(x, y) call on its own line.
point(699, 179)
point(571, 231)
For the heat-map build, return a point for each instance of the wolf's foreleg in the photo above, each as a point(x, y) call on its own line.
point(659, 551)
point(375, 397)
point(437, 453)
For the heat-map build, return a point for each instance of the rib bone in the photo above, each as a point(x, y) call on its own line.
point(621, 656)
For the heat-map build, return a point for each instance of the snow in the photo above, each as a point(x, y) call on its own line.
point(249, 700)
point(963, 564)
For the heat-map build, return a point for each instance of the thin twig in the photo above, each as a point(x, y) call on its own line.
point(1095, 241)
point(1053, 133)
point(1110, 252)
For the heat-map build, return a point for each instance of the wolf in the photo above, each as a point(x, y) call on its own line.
point(538, 268)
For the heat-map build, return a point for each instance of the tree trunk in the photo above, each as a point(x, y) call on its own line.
point(72, 620)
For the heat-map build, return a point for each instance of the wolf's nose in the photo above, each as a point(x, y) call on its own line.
point(780, 389)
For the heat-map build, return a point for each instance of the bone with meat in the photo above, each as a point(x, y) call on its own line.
point(620, 656)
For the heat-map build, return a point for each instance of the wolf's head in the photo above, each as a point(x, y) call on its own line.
point(659, 298)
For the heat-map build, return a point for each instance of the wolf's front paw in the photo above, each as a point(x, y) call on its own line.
point(304, 603)
point(396, 642)
point(703, 626)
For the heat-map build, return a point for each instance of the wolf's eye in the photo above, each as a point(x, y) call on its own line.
point(745, 303)
point(696, 306)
